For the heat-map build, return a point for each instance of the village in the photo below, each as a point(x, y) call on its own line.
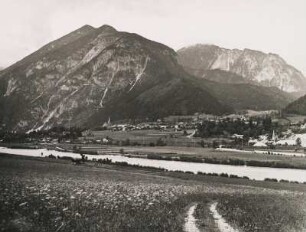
point(242, 131)
point(264, 131)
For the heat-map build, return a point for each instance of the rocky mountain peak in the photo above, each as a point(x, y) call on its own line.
point(266, 69)
point(107, 29)
point(91, 74)
point(86, 27)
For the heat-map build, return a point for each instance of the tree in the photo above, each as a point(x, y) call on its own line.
point(202, 143)
point(215, 144)
point(298, 142)
point(126, 142)
point(160, 142)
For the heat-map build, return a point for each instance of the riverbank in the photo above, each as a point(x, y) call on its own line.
point(262, 158)
point(230, 156)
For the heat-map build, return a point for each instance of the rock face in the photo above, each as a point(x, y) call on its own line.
point(268, 70)
point(92, 74)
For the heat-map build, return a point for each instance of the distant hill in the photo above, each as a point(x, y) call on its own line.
point(247, 96)
point(268, 70)
point(240, 93)
point(225, 77)
point(297, 107)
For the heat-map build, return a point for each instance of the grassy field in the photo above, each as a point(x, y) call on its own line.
point(295, 118)
point(254, 212)
point(41, 194)
point(197, 152)
point(145, 137)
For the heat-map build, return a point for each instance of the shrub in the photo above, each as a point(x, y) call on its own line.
point(233, 176)
point(160, 142)
point(122, 163)
point(284, 181)
point(271, 179)
point(188, 172)
point(224, 175)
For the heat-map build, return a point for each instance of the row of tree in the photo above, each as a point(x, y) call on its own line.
point(251, 128)
point(59, 133)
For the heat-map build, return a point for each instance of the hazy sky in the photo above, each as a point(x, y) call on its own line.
point(277, 26)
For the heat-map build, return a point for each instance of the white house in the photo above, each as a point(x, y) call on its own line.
point(286, 142)
point(260, 144)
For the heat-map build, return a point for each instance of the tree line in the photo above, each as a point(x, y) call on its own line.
point(250, 128)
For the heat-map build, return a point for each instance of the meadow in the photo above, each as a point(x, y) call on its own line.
point(196, 153)
point(42, 194)
point(151, 136)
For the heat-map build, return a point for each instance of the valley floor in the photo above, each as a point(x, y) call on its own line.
point(260, 155)
point(41, 194)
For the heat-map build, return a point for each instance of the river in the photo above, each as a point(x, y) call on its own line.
point(257, 173)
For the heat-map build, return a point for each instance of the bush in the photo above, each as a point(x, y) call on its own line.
point(160, 142)
point(271, 179)
point(104, 161)
point(188, 172)
point(224, 175)
point(191, 159)
point(122, 163)
point(215, 144)
point(212, 174)
point(233, 176)
point(64, 157)
point(201, 173)
point(154, 156)
point(284, 181)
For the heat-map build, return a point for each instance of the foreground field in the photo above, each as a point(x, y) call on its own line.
point(39, 194)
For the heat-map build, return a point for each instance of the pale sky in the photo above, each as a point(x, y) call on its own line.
point(277, 26)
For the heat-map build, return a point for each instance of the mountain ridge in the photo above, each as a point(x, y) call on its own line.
point(93, 74)
point(267, 69)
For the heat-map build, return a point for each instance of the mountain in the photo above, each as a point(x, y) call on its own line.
point(297, 107)
point(225, 77)
point(247, 96)
point(268, 70)
point(92, 74)
point(240, 93)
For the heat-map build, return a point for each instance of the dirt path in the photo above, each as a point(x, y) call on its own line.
point(220, 221)
point(190, 220)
